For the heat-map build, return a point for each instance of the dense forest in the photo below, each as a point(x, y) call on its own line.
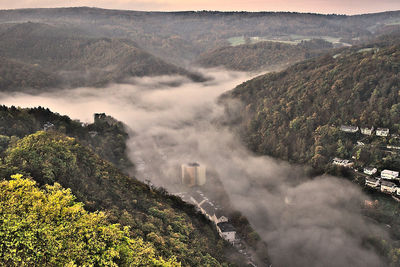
point(180, 37)
point(296, 114)
point(37, 55)
point(173, 228)
point(106, 136)
point(47, 227)
point(262, 56)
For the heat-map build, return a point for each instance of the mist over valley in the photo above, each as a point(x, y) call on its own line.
point(199, 138)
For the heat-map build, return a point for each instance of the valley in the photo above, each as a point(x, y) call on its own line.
point(207, 138)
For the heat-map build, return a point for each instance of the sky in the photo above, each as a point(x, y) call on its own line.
point(315, 6)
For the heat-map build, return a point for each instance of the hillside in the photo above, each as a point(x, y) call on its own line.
point(262, 56)
point(296, 114)
point(74, 58)
point(171, 226)
point(47, 227)
point(14, 74)
point(107, 137)
point(180, 37)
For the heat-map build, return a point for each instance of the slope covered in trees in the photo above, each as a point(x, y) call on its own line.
point(171, 226)
point(107, 139)
point(74, 58)
point(180, 37)
point(14, 74)
point(47, 227)
point(296, 114)
point(262, 56)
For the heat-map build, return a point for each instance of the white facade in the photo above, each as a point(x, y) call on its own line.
point(388, 174)
point(367, 131)
point(342, 162)
point(227, 231)
point(349, 129)
point(229, 236)
point(382, 132)
point(193, 174)
point(370, 171)
point(372, 182)
point(47, 126)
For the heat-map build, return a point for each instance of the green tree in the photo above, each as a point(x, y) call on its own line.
point(48, 228)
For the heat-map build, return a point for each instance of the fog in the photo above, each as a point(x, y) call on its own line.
point(305, 222)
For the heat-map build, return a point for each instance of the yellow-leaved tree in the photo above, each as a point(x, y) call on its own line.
point(46, 227)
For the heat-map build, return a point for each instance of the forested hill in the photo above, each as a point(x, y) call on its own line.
point(171, 228)
point(296, 114)
point(66, 56)
point(106, 136)
point(180, 37)
point(263, 56)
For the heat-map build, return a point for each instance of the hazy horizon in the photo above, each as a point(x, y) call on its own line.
point(352, 7)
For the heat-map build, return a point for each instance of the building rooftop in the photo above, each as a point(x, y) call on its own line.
point(199, 198)
point(208, 208)
point(387, 183)
point(390, 172)
point(371, 179)
point(226, 227)
point(219, 213)
point(349, 128)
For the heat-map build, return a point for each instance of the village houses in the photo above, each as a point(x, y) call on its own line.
point(367, 131)
point(382, 132)
point(370, 170)
point(390, 175)
point(388, 187)
point(349, 129)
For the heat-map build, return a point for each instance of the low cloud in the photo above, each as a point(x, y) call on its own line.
point(305, 222)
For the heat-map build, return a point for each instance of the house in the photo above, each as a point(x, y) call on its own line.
point(47, 126)
point(390, 175)
point(367, 131)
point(388, 187)
point(342, 162)
point(372, 182)
point(370, 170)
point(382, 132)
point(219, 217)
point(227, 231)
point(349, 129)
point(193, 174)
